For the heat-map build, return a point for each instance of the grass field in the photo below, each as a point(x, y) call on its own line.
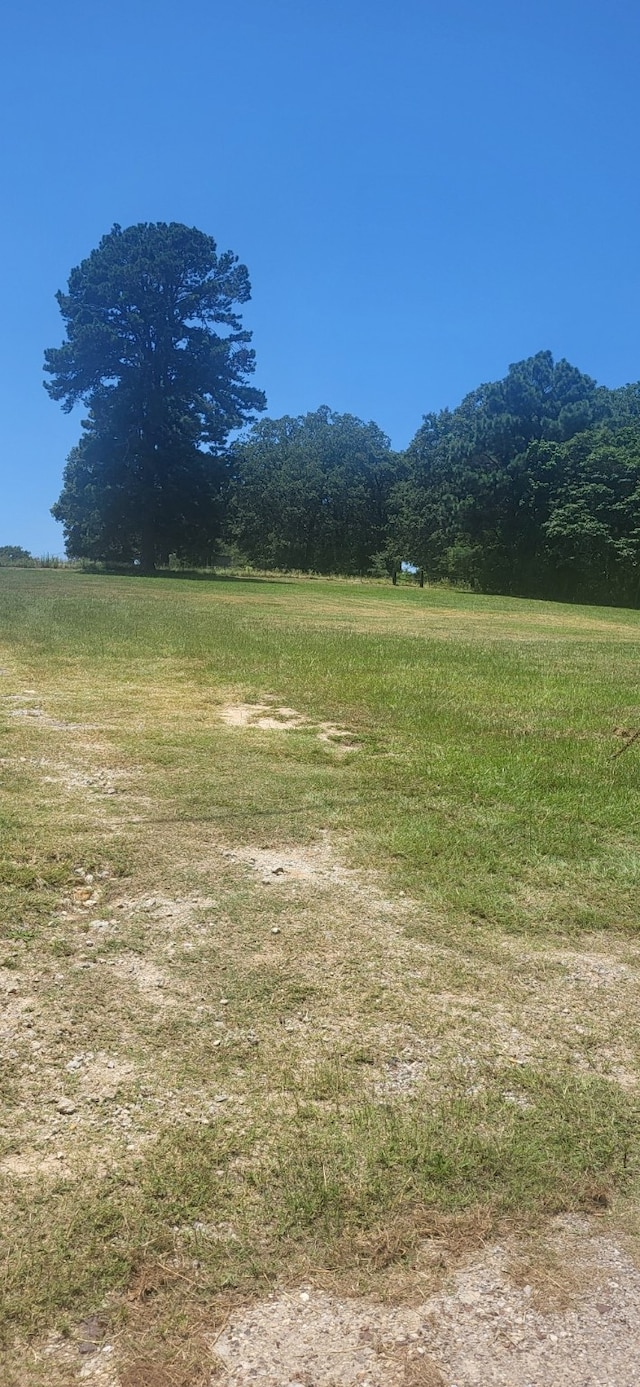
point(319, 944)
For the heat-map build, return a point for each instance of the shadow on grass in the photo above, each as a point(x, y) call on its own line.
point(190, 575)
point(196, 575)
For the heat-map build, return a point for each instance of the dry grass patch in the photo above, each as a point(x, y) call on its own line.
point(267, 717)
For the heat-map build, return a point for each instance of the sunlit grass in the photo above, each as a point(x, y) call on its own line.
point(491, 831)
point(488, 746)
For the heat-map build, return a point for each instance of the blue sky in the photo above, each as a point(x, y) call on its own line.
point(423, 192)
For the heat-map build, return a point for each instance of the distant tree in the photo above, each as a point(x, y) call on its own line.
point(586, 497)
point(311, 492)
point(14, 556)
point(484, 479)
point(163, 386)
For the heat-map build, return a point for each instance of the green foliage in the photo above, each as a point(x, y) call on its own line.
point(531, 486)
point(13, 556)
point(164, 387)
point(311, 493)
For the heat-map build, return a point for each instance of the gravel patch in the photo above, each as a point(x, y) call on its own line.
point(482, 1330)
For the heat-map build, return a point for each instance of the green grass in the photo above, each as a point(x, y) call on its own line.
point(484, 810)
point(329, 1181)
point(487, 772)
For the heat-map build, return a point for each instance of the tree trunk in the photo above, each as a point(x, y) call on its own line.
point(147, 554)
point(147, 534)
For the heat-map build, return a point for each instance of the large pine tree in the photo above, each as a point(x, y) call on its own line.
point(156, 351)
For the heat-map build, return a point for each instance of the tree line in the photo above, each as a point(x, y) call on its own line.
point(531, 486)
point(14, 556)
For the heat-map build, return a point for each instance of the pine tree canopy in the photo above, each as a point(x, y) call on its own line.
point(156, 350)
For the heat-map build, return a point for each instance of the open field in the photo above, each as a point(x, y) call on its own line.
point(319, 962)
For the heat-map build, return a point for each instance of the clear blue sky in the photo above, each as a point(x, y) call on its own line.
point(423, 192)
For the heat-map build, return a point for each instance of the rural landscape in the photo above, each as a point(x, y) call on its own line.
point(320, 695)
point(319, 870)
point(319, 976)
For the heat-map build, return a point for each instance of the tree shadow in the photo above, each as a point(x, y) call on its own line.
point(196, 575)
point(192, 575)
